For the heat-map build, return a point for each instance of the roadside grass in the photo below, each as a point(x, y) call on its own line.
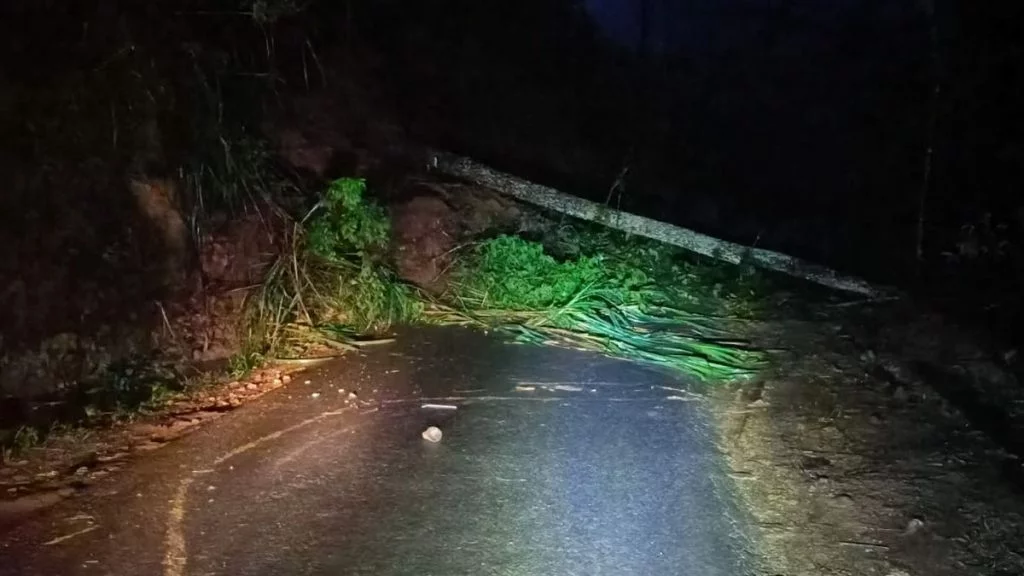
point(332, 288)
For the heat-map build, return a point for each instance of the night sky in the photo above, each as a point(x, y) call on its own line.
point(673, 22)
point(710, 26)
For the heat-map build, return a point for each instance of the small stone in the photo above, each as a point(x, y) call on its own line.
point(278, 383)
point(82, 471)
point(251, 386)
point(234, 384)
point(432, 434)
point(286, 378)
point(352, 396)
point(308, 382)
point(315, 395)
point(913, 526)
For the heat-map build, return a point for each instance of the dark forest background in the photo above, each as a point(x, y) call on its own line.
point(810, 128)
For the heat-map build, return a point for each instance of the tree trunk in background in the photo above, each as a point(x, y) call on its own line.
point(551, 199)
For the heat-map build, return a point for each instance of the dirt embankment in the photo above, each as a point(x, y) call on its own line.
point(856, 458)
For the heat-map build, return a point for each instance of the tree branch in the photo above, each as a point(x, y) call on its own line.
point(551, 199)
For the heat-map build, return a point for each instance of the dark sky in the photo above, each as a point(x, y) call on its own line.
point(702, 26)
point(672, 21)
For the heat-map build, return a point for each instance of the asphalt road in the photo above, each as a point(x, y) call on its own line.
point(554, 463)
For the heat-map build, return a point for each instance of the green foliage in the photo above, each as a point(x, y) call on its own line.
point(511, 273)
point(346, 225)
point(682, 279)
point(377, 300)
point(244, 362)
point(608, 303)
point(334, 286)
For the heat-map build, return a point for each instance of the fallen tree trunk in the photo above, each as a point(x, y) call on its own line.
point(551, 199)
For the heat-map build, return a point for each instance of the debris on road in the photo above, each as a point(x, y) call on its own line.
point(60, 539)
point(687, 398)
point(913, 526)
point(432, 434)
point(439, 407)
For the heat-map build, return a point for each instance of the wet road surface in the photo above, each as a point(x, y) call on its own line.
point(554, 462)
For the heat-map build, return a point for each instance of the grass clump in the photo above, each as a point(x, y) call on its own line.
point(512, 274)
point(345, 226)
point(333, 288)
point(598, 303)
point(684, 280)
point(242, 363)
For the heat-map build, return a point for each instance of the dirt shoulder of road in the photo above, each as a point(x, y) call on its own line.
point(72, 459)
point(852, 462)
